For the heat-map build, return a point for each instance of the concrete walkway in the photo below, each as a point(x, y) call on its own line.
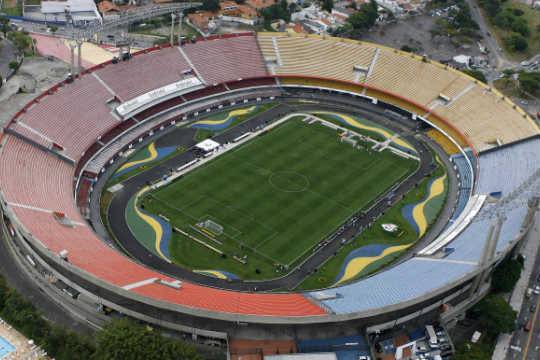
point(530, 247)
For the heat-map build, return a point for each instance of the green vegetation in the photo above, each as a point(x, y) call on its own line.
point(276, 197)
point(277, 11)
point(13, 65)
point(479, 351)
point(527, 84)
point(459, 22)
point(327, 5)
point(119, 339)
point(22, 41)
point(530, 82)
point(138, 154)
point(202, 134)
point(506, 275)
point(12, 10)
point(477, 74)
point(516, 25)
point(4, 25)
point(210, 5)
point(123, 339)
point(326, 275)
point(408, 48)
point(361, 21)
point(516, 42)
point(495, 315)
point(371, 134)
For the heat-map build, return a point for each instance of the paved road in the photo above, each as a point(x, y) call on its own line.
point(8, 53)
point(496, 55)
point(328, 248)
point(529, 342)
point(26, 286)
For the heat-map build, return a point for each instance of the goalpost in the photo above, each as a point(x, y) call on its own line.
point(211, 226)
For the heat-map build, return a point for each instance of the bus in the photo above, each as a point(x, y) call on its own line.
point(431, 334)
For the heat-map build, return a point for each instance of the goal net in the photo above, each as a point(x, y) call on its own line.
point(211, 226)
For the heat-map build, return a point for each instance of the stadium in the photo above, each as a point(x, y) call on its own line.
point(257, 186)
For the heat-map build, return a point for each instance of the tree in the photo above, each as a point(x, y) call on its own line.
point(494, 315)
point(210, 5)
point(328, 5)
point(516, 42)
point(4, 25)
point(64, 344)
point(279, 10)
point(408, 48)
point(506, 275)
point(124, 339)
point(468, 351)
point(21, 40)
point(477, 74)
point(492, 7)
point(365, 17)
point(13, 65)
point(530, 81)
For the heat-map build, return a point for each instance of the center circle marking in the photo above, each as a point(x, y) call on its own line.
point(289, 181)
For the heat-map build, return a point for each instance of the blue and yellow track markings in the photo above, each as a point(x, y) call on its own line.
point(220, 274)
point(152, 154)
point(360, 258)
point(159, 231)
point(220, 124)
point(351, 121)
point(416, 214)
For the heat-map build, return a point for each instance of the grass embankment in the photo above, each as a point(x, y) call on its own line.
point(139, 154)
point(202, 134)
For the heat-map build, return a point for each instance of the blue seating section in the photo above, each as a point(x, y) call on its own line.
point(463, 197)
point(470, 243)
point(503, 170)
point(408, 280)
point(346, 348)
point(464, 171)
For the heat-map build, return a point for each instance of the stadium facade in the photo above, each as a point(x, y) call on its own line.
point(58, 147)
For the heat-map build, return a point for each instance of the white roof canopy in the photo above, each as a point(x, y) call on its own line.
point(208, 145)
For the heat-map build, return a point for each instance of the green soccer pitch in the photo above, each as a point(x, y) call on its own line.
point(273, 199)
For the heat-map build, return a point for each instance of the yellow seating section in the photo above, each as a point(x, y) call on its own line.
point(481, 114)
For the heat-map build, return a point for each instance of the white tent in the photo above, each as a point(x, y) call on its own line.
point(208, 145)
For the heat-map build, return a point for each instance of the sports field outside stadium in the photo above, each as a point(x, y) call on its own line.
point(275, 197)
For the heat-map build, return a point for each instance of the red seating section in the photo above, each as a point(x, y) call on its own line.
point(225, 59)
point(70, 118)
point(32, 177)
point(46, 184)
point(144, 72)
point(74, 116)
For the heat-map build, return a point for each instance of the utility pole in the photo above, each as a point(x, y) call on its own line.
point(180, 23)
point(72, 46)
point(79, 56)
point(173, 16)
